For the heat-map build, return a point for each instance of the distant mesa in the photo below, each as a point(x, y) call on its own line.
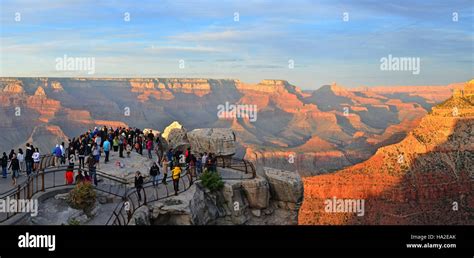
point(40, 92)
point(56, 86)
point(14, 88)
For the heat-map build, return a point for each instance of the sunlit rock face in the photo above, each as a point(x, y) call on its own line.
point(416, 181)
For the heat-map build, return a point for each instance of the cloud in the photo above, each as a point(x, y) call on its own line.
point(198, 49)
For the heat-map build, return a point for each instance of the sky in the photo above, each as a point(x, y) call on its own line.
point(308, 43)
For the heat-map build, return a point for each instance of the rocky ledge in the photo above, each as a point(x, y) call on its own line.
point(273, 198)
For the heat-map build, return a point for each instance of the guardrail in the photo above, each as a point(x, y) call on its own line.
point(47, 178)
point(241, 165)
point(122, 214)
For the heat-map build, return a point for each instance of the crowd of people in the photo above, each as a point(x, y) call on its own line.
point(88, 149)
point(19, 162)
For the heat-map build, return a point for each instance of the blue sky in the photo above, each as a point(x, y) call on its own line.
point(269, 33)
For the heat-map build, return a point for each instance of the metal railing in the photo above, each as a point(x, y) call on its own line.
point(241, 165)
point(124, 211)
point(47, 178)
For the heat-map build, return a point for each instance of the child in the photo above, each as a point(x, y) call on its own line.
point(69, 175)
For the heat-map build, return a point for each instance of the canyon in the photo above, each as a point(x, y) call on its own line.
point(311, 132)
point(427, 178)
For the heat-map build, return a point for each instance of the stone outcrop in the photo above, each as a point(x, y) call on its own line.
point(220, 141)
point(239, 202)
point(175, 135)
point(257, 192)
point(141, 216)
point(285, 186)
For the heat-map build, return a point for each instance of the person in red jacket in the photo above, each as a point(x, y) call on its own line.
point(69, 175)
point(149, 147)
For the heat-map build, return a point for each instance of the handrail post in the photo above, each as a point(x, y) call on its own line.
point(144, 196)
point(42, 181)
point(28, 188)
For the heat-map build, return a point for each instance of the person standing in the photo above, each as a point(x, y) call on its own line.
point(204, 162)
point(69, 175)
point(115, 144)
point(63, 153)
point(139, 184)
point(79, 178)
point(96, 152)
point(91, 165)
point(21, 159)
point(57, 155)
point(176, 174)
point(4, 162)
point(165, 164)
point(106, 150)
point(149, 147)
point(36, 159)
point(82, 156)
point(154, 173)
point(29, 159)
point(121, 140)
point(15, 167)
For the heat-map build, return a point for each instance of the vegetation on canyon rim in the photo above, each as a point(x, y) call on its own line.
point(82, 197)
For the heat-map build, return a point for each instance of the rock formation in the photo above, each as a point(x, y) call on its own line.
point(240, 202)
point(175, 135)
point(427, 178)
point(220, 141)
point(325, 129)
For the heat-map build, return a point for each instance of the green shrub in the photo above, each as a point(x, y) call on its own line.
point(74, 222)
point(82, 197)
point(212, 181)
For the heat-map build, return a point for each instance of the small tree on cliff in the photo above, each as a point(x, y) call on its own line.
point(82, 197)
point(212, 181)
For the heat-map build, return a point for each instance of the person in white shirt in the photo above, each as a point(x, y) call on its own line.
point(204, 160)
point(36, 160)
point(21, 159)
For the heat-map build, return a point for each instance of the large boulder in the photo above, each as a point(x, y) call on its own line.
point(172, 211)
point(204, 206)
point(141, 216)
point(257, 192)
point(220, 141)
point(285, 186)
point(175, 136)
point(235, 202)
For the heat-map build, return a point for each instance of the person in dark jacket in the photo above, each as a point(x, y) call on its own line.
point(82, 155)
point(92, 166)
point(79, 177)
point(154, 173)
point(4, 162)
point(10, 156)
point(139, 184)
point(15, 167)
point(29, 159)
